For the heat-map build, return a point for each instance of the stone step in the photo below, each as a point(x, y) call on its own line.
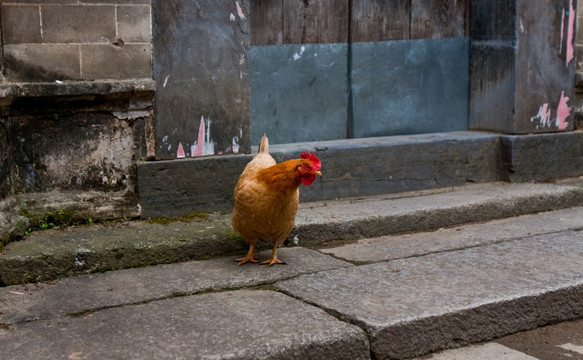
point(498, 278)
point(53, 254)
point(413, 306)
point(368, 167)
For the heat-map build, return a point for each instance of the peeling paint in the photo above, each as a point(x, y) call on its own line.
point(562, 31)
point(180, 151)
point(543, 116)
point(563, 112)
point(203, 145)
point(570, 30)
point(235, 142)
point(298, 56)
point(239, 11)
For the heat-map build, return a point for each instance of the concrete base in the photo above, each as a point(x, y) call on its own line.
point(371, 166)
point(544, 156)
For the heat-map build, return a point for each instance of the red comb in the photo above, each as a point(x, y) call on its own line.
point(313, 158)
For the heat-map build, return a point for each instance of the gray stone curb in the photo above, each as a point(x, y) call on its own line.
point(54, 254)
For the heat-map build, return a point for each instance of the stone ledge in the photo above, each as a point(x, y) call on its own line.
point(355, 167)
point(12, 91)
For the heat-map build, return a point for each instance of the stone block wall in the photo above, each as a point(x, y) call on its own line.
point(76, 108)
point(76, 40)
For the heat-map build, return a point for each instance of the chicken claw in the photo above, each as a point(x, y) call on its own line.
point(250, 257)
point(273, 261)
point(247, 259)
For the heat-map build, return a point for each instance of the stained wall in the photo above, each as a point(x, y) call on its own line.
point(76, 108)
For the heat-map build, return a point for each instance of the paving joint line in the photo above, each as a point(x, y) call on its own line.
point(262, 285)
point(335, 314)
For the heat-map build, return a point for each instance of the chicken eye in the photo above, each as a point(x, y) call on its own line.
point(306, 167)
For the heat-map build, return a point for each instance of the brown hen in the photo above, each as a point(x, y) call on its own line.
point(267, 197)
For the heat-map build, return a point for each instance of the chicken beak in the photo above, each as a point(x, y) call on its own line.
point(319, 173)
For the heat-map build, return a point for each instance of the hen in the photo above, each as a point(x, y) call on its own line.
point(267, 196)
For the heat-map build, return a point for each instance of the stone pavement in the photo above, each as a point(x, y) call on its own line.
point(389, 296)
point(563, 341)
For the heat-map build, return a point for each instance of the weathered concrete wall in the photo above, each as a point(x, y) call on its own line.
point(76, 108)
point(201, 67)
point(73, 147)
point(522, 66)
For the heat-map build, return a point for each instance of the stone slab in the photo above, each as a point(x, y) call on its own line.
point(237, 324)
point(408, 245)
point(78, 23)
point(393, 164)
point(378, 216)
point(134, 23)
point(166, 187)
point(80, 250)
point(41, 62)
point(12, 91)
point(88, 293)
point(21, 24)
point(353, 167)
point(542, 156)
point(108, 61)
point(414, 306)
point(481, 352)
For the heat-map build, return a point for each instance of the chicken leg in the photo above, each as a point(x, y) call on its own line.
point(250, 256)
point(273, 259)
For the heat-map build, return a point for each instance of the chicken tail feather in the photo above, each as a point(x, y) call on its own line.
point(264, 145)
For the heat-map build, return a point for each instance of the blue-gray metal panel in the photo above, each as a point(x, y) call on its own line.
point(298, 92)
point(410, 86)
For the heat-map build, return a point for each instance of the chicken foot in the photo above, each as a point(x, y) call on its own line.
point(250, 256)
point(273, 259)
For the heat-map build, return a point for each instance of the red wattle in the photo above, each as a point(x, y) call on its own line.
point(308, 180)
